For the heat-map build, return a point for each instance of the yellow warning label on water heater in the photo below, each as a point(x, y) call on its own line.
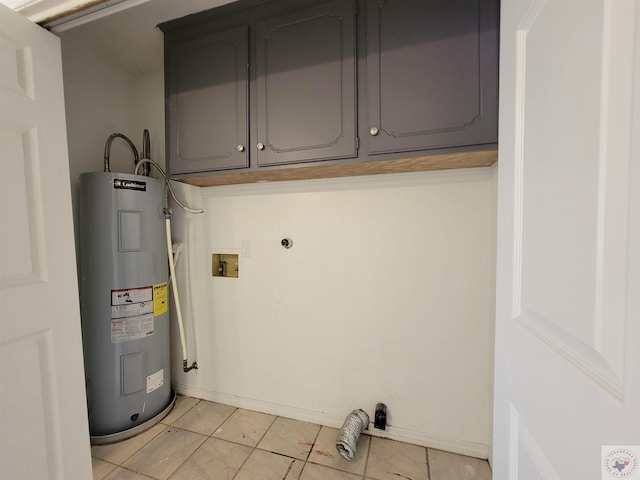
point(160, 299)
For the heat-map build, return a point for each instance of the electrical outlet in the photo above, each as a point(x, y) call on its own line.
point(245, 248)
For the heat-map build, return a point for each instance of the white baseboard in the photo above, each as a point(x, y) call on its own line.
point(424, 439)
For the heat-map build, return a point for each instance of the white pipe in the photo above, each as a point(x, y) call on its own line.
point(176, 297)
point(174, 286)
point(172, 259)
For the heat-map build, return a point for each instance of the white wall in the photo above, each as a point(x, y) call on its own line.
point(148, 101)
point(386, 296)
point(100, 99)
point(98, 102)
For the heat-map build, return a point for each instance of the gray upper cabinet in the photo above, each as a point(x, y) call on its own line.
point(259, 85)
point(207, 102)
point(431, 74)
point(305, 85)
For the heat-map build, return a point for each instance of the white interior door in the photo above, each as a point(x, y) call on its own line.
point(43, 415)
point(568, 311)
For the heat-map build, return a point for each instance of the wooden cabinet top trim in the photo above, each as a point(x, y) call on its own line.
point(446, 161)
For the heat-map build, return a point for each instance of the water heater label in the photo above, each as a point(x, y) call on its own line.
point(129, 184)
point(155, 381)
point(131, 328)
point(160, 304)
point(131, 295)
point(131, 314)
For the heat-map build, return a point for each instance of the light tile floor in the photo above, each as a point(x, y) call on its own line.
point(202, 440)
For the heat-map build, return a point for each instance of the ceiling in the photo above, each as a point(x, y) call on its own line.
point(123, 31)
point(41, 11)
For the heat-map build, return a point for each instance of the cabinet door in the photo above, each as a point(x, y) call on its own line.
point(431, 74)
point(207, 102)
point(305, 66)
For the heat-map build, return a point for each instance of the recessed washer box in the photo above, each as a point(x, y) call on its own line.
point(224, 265)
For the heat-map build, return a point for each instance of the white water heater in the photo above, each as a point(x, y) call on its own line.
point(124, 303)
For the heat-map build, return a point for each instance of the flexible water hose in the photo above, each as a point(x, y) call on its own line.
point(355, 423)
point(107, 150)
point(166, 181)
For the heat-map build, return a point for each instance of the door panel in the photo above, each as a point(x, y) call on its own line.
point(573, 261)
point(431, 74)
point(305, 64)
point(567, 341)
point(208, 107)
point(43, 416)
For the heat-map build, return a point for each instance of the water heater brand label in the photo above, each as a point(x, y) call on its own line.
point(129, 184)
point(132, 315)
point(155, 381)
point(160, 304)
point(131, 295)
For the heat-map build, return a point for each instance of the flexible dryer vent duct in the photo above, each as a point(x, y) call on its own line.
point(355, 423)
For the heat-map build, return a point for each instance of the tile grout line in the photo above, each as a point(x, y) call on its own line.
point(110, 463)
point(179, 417)
point(169, 425)
point(334, 468)
point(366, 462)
point(255, 447)
point(144, 475)
point(208, 437)
point(121, 464)
point(313, 444)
